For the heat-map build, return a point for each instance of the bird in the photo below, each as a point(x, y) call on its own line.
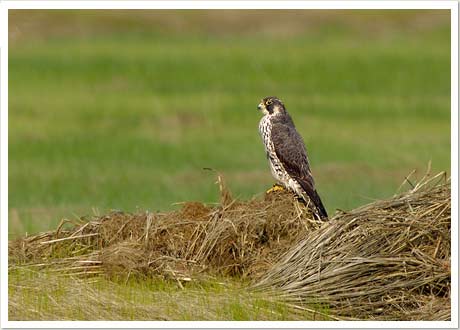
point(287, 154)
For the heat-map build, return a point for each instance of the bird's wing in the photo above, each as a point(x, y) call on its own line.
point(291, 151)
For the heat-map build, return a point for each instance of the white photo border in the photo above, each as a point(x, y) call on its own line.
point(7, 5)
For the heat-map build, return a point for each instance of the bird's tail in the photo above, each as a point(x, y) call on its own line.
point(315, 199)
point(320, 207)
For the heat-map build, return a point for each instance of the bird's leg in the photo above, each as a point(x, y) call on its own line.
point(276, 187)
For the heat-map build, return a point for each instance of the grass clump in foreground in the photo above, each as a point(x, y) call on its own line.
point(386, 260)
point(46, 295)
point(234, 238)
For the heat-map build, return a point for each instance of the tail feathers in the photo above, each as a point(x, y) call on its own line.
point(320, 207)
point(315, 199)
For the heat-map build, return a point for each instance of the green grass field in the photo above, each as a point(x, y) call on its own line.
point(123, 110)
point(118, 111)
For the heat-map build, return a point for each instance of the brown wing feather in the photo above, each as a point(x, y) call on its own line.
point(291, 151)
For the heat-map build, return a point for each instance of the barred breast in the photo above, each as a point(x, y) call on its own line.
point(265, 128)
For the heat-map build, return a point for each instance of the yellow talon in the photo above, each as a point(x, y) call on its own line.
point(276, 187)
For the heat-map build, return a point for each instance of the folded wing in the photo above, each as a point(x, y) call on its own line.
point(292, 153)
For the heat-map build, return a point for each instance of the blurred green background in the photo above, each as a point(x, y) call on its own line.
point(122, 109)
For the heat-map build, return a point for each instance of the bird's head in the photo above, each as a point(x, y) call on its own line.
point(271, 105)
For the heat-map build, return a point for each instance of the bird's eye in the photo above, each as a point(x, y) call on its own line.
point(268, 102)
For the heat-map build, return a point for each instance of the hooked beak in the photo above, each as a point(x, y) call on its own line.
point(260, 106)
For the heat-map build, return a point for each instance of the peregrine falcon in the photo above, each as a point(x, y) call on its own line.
point(286, 153)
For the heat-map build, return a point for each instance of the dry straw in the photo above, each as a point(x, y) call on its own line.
point(386, 260)
point(232, 238)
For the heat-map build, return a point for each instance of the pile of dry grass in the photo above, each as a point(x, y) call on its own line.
point(232, 238)
point(386, 260)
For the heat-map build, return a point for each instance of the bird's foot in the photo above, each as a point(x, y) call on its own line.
point(276, 187)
